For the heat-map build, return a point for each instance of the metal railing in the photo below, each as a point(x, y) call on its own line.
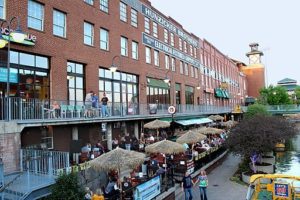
point(14, 108)
point(289, 107)
point(44, 162)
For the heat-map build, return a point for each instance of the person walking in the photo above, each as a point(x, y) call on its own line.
point(104, 101)
point(203, 183)
point(186, 185)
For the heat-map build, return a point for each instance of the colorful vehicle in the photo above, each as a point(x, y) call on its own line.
point(274, 187)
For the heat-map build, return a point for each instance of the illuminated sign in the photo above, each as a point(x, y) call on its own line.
point(29, 40)
point(13, 77)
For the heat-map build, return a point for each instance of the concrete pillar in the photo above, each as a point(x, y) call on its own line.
point(136, 129)
point(74, 133)
point(109, 135)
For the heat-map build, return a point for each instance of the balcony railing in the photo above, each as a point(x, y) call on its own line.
point(14, 108)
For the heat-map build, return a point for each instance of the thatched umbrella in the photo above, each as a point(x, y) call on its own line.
point(191, 137)
point(229, 123)
point(118, 158)
point(210, 130)
point(157, 124)
point(216, 117)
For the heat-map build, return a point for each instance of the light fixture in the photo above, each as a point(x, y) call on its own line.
point(18, 35)
point(166, 80)
point(113, 68)
point(198, 87)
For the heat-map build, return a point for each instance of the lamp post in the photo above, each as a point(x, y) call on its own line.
point(17, 36)
point(113, 68)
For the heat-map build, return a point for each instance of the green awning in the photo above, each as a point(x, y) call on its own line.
point(157, 83)
point(189, 89)
point(177, 87)
point(218, 93)
point(226, 94)
point(194, 121)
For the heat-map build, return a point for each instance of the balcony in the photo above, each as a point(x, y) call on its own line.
point(28, 111)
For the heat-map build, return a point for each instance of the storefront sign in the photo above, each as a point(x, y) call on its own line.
point(30, 39)
point(209, 90)
point(190, 168)
point(13, 77)
point(148, 190)
point(161, 20)
point(281, 190)
point(152, 42)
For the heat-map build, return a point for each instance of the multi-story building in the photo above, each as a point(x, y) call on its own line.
point(69, 49)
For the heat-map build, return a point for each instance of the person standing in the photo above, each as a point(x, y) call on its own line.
point(186, 185)
point(88, 104)
point(203, 183)
point(104, 101)
point(95, 104)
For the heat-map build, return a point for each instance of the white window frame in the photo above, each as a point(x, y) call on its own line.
point(192, 71)
point(195, 52)
point(123, 12)
point(90, 2)
point(181, 68)
point(32, 17)
point(135, 50)
point(155, 29)
point(90, 35)
point(3, 7)
point(104, 42)
point(156, 58)
point(134, 18)
point(166, 36)
point(172, 39)
point(185, 46)
point(173, 64)
point(167, 62)
point(148, 55)
point(196, 72)
point(104, 5)
point(124, 49)
point(180, 44)
point(147, 25)
point(186, 69)
point(58, 25)
point(191, 50)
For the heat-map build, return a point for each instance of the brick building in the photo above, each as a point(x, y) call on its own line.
point(69, 49)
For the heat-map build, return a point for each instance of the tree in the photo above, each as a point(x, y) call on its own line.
point(274, 96)
point(259, 135)
point(297, 95)
point(256, 109)
point(67, 187)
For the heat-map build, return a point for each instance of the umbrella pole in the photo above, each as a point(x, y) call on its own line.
point(121, 189)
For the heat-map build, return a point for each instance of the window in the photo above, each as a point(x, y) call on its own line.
point(195, 52)
point(148, 55)
point(156, 58)
point(147, 25)
point(167, 62)
point(189, 95)
point(173, 64)
point(192, 71)
point(185, 46)
point(180, 44)
point(191, 50)
point(123, 12)
point(91, 2)
point(35, 15)
point(166, 36)
point(75, 76)
point(135, 50)
point(124, 46)
point(172, 39)
point(104, 39)
point(88, 33)
point(181, 67)
point(59, 23)
point(186, 69)
point(104, 5)
point(196, 72)
point(155, 31)
point(2, 9)
point(134, 18)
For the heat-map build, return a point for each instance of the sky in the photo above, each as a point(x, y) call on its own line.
point(231, 25)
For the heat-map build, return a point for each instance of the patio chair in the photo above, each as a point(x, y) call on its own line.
point(71, 109)
point(63, 110)
point(78, 110)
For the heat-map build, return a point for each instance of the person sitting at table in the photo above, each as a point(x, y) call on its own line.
point(53, 109)
point(112, 189)
point(126, 188)
point(151, 138)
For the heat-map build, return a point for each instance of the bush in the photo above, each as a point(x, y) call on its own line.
point(256, 109)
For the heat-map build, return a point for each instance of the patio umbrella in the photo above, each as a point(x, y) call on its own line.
point(165, 147)
point(230, 123)
point(117, 159)
point(157, 124)
point(210, 130)
point(216, 117)
point(191, 137)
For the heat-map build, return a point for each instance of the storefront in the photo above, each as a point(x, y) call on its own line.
point(158, 92)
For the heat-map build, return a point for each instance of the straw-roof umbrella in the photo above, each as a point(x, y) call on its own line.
point(210, 130)
point(118, 158)
point(191, 137)
point(157, 124)
point(165, 147)
point(216, 117)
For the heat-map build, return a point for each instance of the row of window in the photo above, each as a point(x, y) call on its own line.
point(103, 4)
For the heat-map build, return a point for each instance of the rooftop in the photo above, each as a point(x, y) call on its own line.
point(287, 81)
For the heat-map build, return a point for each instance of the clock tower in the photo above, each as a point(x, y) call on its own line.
point(254, 71)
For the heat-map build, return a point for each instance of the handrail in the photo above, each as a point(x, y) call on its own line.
point(13, 180)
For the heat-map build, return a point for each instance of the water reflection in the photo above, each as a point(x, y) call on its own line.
point(289, 162)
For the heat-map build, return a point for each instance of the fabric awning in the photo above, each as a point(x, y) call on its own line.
point(218, 93)
point(157, 83)
point(194, 121)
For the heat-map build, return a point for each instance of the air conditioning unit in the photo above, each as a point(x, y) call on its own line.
point(47, 143)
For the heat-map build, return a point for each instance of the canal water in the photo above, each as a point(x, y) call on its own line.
point(289, 162)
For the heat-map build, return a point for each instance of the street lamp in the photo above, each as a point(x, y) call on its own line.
point(17, 36)
point(113, 68)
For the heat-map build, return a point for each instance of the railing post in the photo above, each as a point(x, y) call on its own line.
point(50, 167)
point(35, 162)
point(1, 174)
point(21, 160)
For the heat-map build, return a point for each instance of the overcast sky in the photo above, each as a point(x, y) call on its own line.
point(230, 25)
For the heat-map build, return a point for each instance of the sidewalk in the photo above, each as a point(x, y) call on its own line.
point(219, 185)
